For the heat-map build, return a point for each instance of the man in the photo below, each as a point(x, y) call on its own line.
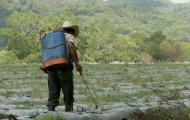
point(62, 77)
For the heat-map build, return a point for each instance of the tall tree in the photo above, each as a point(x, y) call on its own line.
point(154, 42)
point(21, 35)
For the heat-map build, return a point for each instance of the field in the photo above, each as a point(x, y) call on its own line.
point(23, 88)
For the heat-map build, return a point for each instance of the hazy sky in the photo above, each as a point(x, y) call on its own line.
point(180, 1)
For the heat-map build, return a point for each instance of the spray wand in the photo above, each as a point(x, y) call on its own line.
point(96, 105)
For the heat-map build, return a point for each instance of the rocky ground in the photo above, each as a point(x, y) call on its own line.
point(170, 110)
point(122, 92)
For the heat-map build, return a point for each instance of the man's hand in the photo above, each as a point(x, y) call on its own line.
point(78, 67)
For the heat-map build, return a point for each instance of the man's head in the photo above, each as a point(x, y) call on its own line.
point(69, 28)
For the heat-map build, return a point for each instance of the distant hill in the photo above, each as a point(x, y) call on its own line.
point(126, 16)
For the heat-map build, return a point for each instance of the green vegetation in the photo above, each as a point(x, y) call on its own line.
point(7, 57)
point(115, 30)
point(27, 80)
point(128, 84)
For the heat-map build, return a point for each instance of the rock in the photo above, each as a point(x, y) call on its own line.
point(154, 98)
point(185, 94)
point(68, 116)
point(7, 107)
point(187, 103)
point(117, 113)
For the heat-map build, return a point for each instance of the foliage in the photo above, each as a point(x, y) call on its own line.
point(185, 56)
point(97, 43)
point(153, 44)
point(21, 36)
point(113, 30)
point(33, 58)
point(7, 57)
point(125, 49)
point(126, 16)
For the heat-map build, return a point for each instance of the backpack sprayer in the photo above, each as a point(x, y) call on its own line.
point(91, 96)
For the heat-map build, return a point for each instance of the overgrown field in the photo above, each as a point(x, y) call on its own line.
point(25, 86)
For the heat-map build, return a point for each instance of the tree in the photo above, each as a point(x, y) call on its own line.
point(153, 44)
point(96, 43)
point(170, 51)
point(185, 51)
point(21, 35)
point(23, 28)
point(125, 49)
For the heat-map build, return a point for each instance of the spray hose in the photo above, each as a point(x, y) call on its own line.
point(91, 96)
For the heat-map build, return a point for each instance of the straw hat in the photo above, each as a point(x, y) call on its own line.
point(67, 24)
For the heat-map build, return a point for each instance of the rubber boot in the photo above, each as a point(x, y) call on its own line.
point(51, 108)
point(68, 108)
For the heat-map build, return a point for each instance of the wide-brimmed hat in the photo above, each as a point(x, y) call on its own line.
point(67, 24)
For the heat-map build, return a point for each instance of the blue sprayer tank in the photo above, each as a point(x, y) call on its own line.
point(54, 50)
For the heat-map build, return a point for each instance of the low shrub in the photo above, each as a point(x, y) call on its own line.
point(7, 57)
point(33, 58)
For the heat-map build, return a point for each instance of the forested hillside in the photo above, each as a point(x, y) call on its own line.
point(113, 30)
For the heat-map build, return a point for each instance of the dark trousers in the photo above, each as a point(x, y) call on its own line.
point(61, 79)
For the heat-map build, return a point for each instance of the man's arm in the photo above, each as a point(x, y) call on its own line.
point(74, 56)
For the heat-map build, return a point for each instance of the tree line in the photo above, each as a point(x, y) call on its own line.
point(100, 40)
